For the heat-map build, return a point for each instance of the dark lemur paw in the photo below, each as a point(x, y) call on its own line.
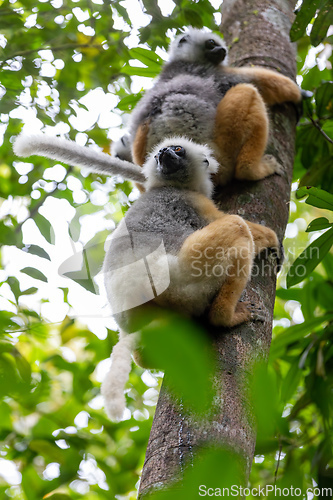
point(306, 94)
point(278, 255)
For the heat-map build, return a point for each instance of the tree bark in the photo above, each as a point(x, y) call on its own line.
point(257, 33)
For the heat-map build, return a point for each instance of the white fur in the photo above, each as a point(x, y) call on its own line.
point(122, 148)
point(192, 50)
point(71, 153)
point(113, 384)
point(196, 154)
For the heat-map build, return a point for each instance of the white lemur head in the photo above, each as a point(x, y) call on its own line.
point(199, 47)
point(181, 163)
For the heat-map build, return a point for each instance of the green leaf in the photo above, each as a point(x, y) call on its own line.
point(34, 273)
point(324, 100)
point(200, 479)
point(314, 77)
point(29, 291)
point(318, 174)
point(303, 18)
point(316, 197)
point(14, 286)
point(294, 333)
point(32, 484)
point(291, 381)
point(147, 57)
point(322, 22)
point(309, 258)
point(180, 348)
point(318, 224)
point(129, 102)
point(36, 250)
point(45, 227)
point(59, 496)
point(23, 366)
point(328, 129)
point(6, 413)
point(133, 70)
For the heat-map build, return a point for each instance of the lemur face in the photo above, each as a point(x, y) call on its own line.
point(172, 164)
point(181, 163)
point(198, 46)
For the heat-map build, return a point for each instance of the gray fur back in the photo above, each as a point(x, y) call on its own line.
point(183, 102)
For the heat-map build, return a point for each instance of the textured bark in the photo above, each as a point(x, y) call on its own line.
point(257, 33)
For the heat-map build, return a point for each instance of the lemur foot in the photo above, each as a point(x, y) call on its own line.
point(219, 316)
point(272, 165)
point(278, 254)
point(256, 312)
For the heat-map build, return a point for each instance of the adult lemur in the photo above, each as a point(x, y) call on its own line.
point(199, 97)
point(158, 254)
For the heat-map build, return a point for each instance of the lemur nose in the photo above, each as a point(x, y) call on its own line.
point(162, 152)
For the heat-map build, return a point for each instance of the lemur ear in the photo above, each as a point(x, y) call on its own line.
point(212, 164)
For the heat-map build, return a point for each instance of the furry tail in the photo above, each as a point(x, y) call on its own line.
point(73, 154)
point(113, 385)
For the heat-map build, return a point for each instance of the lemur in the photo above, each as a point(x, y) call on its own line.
point(197, 96)
point(169, 228)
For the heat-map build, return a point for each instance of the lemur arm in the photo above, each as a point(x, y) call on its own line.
point(205, 207)
point(73, 154)
point(263, 236)
point(274, 88)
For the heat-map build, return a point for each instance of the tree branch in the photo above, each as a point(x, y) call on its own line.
point(65, 46)
point(318, 127)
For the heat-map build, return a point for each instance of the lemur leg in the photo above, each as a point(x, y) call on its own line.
point(139, 147)
point(263, 237)
point(274, 87)
point(241, 134)
point(226, 242)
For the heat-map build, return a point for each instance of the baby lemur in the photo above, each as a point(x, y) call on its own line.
point(158, 254)
point(198, 96)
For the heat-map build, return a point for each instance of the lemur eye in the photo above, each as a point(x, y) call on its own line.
point(210, 44)
point(179, 150)
point(183, 40)
point(206, 161)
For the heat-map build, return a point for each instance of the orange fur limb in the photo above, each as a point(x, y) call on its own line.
point(263, 237)
point(139, 148)
point(226, 242)
point(205, 207)
point(241, 134)
point(274, 87)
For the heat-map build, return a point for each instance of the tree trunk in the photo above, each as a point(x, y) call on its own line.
point(257, 33)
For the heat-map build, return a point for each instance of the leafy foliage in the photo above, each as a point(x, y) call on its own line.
point(322, 13)
point(56, 441)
